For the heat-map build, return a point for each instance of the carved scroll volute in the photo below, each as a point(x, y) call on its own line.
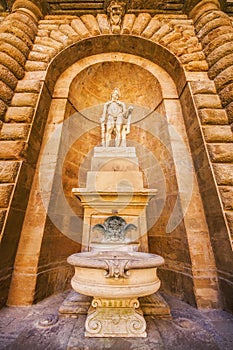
point(117, 268)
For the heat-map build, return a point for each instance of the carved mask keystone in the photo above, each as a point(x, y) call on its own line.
point(116, 11)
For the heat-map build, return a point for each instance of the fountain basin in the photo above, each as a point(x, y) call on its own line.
point(115, 274)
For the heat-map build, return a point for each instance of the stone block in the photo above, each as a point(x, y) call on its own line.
point(213, 116)
point(3, 107)
point(229, 109)
point(24, 295)
point(8, 77)
point(221, 153)
point(220, 66)
point(224, 78)
point(128, 23)
point(190, 57)
point(197, 66)
point(140, 23)
point(19, 114)
point(49, 42)
point(206, 19)
point(219, 52)
point(35, 66)
point(152, 27)
point(28, 86)
point(12, 65)
point(61, 37)
point(48, 26)
point(8, 171)
point(103, 23)
point(5, 194)
point(14, 52)
point(207, 293)
point(69, 32)
point(45, 49)
point(159, 34)
point(203, 87)
point(80, 28)
point(28, 99)
point(38, 56)
point(2, 218)
point(170, 37)
point(11, 149)
point(217, 133)
point(43, 32)
point(91, 24)
point(226, 94)
point(223, 174)
point(229, 216)
point(36, 75)
point(227, 196)
point(15, 41)
point(207, 101)
point(6, 93)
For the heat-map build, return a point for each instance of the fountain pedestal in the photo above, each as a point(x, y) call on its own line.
point(114, 226)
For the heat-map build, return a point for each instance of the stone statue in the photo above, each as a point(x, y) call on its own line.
point(115, 119)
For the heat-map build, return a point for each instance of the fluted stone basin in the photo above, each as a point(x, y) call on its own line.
point(115, 274)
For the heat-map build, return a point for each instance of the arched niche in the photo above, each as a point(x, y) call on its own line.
point(70, 135)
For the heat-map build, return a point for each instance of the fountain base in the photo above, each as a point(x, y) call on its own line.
point(115, 318)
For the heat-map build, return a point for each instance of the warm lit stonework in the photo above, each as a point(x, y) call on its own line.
point(172, 62)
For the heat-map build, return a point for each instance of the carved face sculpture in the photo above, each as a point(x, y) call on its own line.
point(115, 11)
point(115, 226)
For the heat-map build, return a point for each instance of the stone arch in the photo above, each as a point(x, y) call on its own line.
point(178, 36)
point(33, 275)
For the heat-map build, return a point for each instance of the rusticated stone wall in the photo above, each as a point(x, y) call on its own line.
point(210, 136)
point(214, 30)
point(17, 33)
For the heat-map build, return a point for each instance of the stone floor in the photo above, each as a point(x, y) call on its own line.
point(39, 328)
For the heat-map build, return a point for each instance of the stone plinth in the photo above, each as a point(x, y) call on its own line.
point(114, 186)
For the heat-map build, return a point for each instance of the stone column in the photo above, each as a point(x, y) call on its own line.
point(17, 33)
point(215, 32)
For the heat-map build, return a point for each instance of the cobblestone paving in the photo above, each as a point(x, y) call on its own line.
point(39, 327)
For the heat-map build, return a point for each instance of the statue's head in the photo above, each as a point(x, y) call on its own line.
point(115, 94)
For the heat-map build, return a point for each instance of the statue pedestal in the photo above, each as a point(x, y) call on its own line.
point(115, 318)
point(114, 187)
